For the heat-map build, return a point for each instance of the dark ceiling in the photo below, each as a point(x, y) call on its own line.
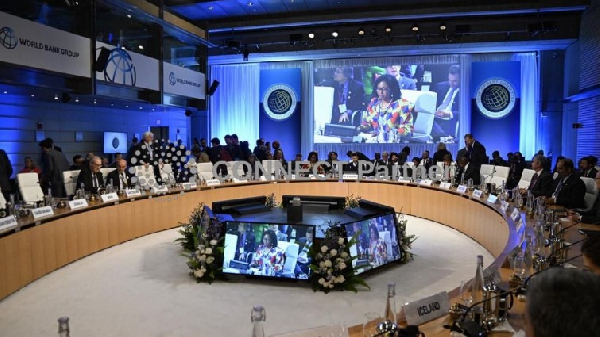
point(268, 26)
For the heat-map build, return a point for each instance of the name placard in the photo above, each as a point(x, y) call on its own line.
point(492, 199)
point(78, 203)
point(515, 215)
point(403, 180)
point(41, 212)
point(461, 189)
point(109, 197)
point(193, 186)
point(186, 186)
point(239, 181)
point(262, 178)
point(8, 223)
point(133, 193)
point(445, 185)
point(503, 206)
point(213, 182)
point(477, 194)
point(426, 309)
point(346, 176)
point(426, 182)
point(160, 189)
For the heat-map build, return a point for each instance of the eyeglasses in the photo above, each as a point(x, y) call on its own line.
point(383, 89)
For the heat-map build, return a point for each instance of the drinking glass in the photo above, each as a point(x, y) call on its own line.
point(372, 319)
point(519, 266)
point(465, 293)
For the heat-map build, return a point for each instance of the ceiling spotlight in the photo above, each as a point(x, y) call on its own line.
point(5, 92)
point(415, 27)
point(141, 108)
point(76, 100)
point(210, 8)
point(141, 47)
point(442, 26)
point(361, 32)
point(311, 35)
point(335, 34)
point(388, 29)
point(250, 4)
point(56, 97)
point(95, 101)
point(32, 95)
point(129, 16)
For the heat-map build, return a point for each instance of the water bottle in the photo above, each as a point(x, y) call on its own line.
point(48, 200)
point(390, 306)
point(477, 289)
point(63, 327)
point(258, 316)
point(109, 188)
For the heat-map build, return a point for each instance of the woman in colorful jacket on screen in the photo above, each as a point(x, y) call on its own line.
point(387, 110)
point(268, 258)
point(377, 248)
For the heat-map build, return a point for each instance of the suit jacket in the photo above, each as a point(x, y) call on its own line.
point(55, 163)
point(5, 172)
point(471, 172)
point(590, 173)
point(144, 154)
point(249, 244)
point(543, 185)
point(477, 154)
point(442, 89)
point(406, 83)
point(353, 168)
point(592, 216)
point(572, 192)
point(114, 179)
point(354, 100)
point(85, 178)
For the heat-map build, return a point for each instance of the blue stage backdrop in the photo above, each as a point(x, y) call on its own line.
point(280, 92)
point(496, 113)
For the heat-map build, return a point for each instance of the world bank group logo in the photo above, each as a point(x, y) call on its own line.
point(172, 78)
point(279, 102)
point(8, 38)
point(120, 68)
point(495, 98)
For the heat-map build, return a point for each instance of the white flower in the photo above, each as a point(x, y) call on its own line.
point(329, 272)
point(333, 252)
point(328, 263)
point(210, 259)
point(319, 256)
point(198, 273)
point(342, 266)
point(201, 247)
point(321, 281)
point(330, 285)
point(203, 269)
point(341, 241)
point(208, 251)
point(213, 242)
point(324, 249)
point(202, 258)
point(341, 279)
point(322, 264)
point(344, 255)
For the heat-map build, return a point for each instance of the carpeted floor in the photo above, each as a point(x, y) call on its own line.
point(141, 288)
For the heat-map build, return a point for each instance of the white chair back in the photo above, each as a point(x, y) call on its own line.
point(145, 176)
point(205, 170)
point(591, 193)
point(2, 201)
point(486, 170)
point(323, 104)
point(291, 258)
point(70, 178)
point(502, 172)
point(229, 249)
point(29, 187)
point(527, 174)
point(165, 172)
point(105, 172)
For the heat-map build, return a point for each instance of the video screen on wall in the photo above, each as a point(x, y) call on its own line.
point(377, 242)
point(268, 250)
point(386, 103)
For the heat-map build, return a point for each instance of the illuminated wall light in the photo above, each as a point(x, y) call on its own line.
point(361, 32)
point(129, 16)
point(250, 4)
point(141, 47)
point(335, 33)
point(311, 35)
point(388, 29)
point(76, 100)
point(443, 26)
point(56, 97)
point(5, 92)
point(415, 27)
point(32, 95)
point(141, 108)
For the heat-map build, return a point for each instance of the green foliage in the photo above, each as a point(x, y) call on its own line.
point(352, 201)
point(406, 241)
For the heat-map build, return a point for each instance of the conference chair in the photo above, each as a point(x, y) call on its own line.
point(229, 250)
point(424, 107)
point(500, 176)
point(386, 238)
point(526, 178)
point(329, 330)
point(70, 178)
point(2, 201)
point(205, 170)
point(105, 172)
point(486, 171)
point(30, 188)
point(166, 171)
point(291, 258)
point(590, 193)
point(145, 176)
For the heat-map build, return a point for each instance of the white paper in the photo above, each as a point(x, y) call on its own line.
point(427, 309)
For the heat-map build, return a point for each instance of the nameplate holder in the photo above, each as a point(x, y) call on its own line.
point(312, 177)
point(8, 223)
point(426, 182)
point(109, 197)
point(492, 199)
point(41, 212)
point(239, 181)
point(346, 176)
point(403, 180)
point(503, 206)
point(515, 215)
point(445, 185)
point(262, 178)
point(520, 222)
point(186, 186)
point(477, 194)
point(132, 193)
point(193, 186)
point(77, 204)
point(461, 189)
point(427, 309)
point(213, 182)
point(160, 189)
point(293, 177)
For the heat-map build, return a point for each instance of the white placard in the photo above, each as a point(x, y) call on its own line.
point(403, 180)
point(183, 82)
point(503, 206)
point(262, 178)
point(160, 189)
point(128, 68)
point(109, 197)
point(193, 186)
point(78, 203)
point(132, 193)
point(347, 176)
point(426, 309)
point(477, 194)
point(35, 45)
point(461, 189)
point(426, 182)
point(239, 181)
point(492, 199)
point(445, 185)
point(41, 212)
point(8, 223)
point(186, 186)
point(515, 215)
point(213, 182)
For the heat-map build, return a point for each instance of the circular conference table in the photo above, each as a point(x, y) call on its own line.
point(38, 248)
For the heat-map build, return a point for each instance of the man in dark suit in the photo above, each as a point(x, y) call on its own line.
point(144, 152)
point(404, 81)
point(475, 151)
point(587, 167)
point(5, 172)
point(569, 190)
point(541, 183)
point(353, 166)
point(55, 147)
point(55, 163)
point(466, 171)
point(448, 97)
point(303, 258)
point(120, 179)
point(246, 242)
point(348, 96)
point(403, 155)
point(91, 177)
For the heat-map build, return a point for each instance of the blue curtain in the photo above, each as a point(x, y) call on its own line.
point(234, 108)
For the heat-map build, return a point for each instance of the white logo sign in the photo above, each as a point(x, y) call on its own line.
point(495, 98)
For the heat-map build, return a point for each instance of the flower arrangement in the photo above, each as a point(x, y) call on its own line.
point(406, 241)
point(331, 263)
point(203, 243)
point(352, 201)
point(271, 201)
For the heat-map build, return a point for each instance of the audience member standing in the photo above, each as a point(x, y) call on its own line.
point(5, 172)
point(55, 163)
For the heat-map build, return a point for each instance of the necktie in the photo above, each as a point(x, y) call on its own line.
point(533, 181)
point(558, 188)
point(123, 181)
point(448, 99)
point(94, 180)
point(341, 95)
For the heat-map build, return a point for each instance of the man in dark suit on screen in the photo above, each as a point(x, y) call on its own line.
point(569, 190)
point(448, 97)
point(91, 177)
point(246, 242)
point(348, 97)
point(120, 178)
